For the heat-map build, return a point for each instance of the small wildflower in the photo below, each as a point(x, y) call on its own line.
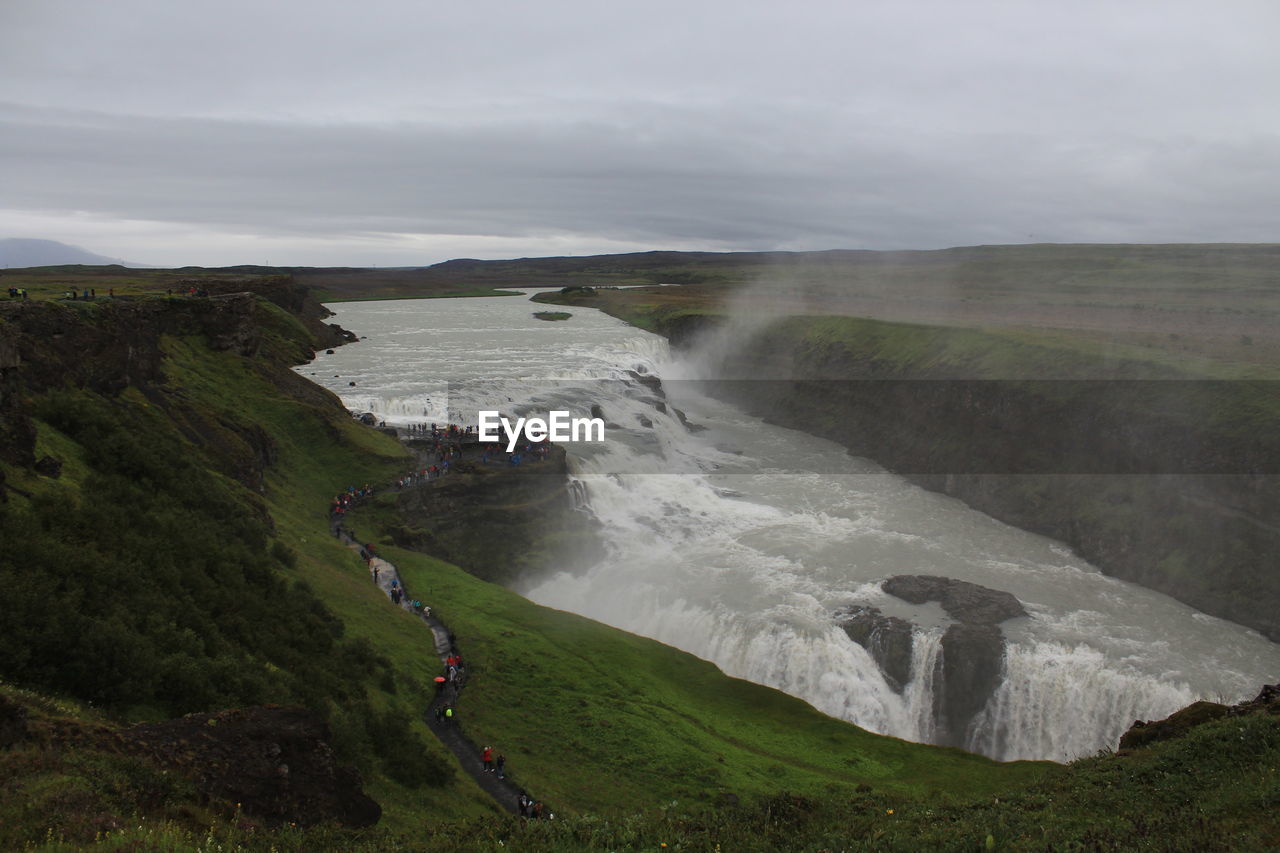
point(888, 811)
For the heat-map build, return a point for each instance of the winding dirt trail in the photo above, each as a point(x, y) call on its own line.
point(505, 792)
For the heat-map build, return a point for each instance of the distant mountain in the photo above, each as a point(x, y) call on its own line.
point(15, 252)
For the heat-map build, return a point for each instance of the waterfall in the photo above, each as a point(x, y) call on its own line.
point(1062, 702)
point(739, 542)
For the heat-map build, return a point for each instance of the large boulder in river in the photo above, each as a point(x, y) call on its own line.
point(972, 658)
point(684, 419)
point(889, 640)
point(648, 380)
point(963, 601)
point(969, 670)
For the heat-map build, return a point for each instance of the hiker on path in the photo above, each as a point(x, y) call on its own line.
point(487, 758)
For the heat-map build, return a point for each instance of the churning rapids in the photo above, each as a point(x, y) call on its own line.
point(739, 542)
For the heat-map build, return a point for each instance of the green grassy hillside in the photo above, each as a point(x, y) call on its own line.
point(170, 553)
point(167, 550)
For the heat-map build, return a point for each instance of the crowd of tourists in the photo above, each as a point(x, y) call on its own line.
point(344, 501)
point(454, 675)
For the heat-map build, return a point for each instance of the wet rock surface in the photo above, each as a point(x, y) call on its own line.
point(532, 504)
point(970, 667)
point(648, 380)
point(970, 662)
point(963, 601)
point(1144, 732)
point(1175, 725)
point(888, 639)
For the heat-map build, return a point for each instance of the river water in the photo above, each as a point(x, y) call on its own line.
point(738, 542)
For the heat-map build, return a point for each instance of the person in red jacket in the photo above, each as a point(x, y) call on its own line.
point(487, 756)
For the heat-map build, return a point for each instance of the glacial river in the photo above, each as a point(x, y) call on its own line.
point(738, 542)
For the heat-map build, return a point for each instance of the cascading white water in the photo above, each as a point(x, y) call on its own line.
point(1058, 702)
point(738, 543)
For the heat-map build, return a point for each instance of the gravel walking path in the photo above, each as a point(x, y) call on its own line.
point(504, 791)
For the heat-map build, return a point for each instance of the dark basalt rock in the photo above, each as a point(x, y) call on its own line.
point(1173, 726)
point(888, 639)
point(1270, 694)
point(963, 601)
point(684, 419)
point(598, 412)
point(533, 505)
point(972, 657)
point(1180, 722)
point(970, 667)
point(648, 380)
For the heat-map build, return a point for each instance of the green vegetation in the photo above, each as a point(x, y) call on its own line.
point(588, 701)
point(552, 315)
point(148, 579)
point(1214, 789)
point(158, 587)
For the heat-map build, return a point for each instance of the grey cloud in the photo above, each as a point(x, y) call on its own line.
point(643, 174)
point(752, 124)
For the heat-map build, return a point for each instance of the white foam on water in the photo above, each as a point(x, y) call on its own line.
point(738, 543)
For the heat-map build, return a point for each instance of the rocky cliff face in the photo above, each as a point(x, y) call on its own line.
point(531, 505)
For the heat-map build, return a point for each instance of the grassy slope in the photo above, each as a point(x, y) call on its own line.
point(594, 719)
point(1215, 789)
point(319, 450)
point(314, 464)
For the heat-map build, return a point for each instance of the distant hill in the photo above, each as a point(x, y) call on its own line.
point(17, 252)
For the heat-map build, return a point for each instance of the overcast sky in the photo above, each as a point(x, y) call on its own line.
point(392, 132)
